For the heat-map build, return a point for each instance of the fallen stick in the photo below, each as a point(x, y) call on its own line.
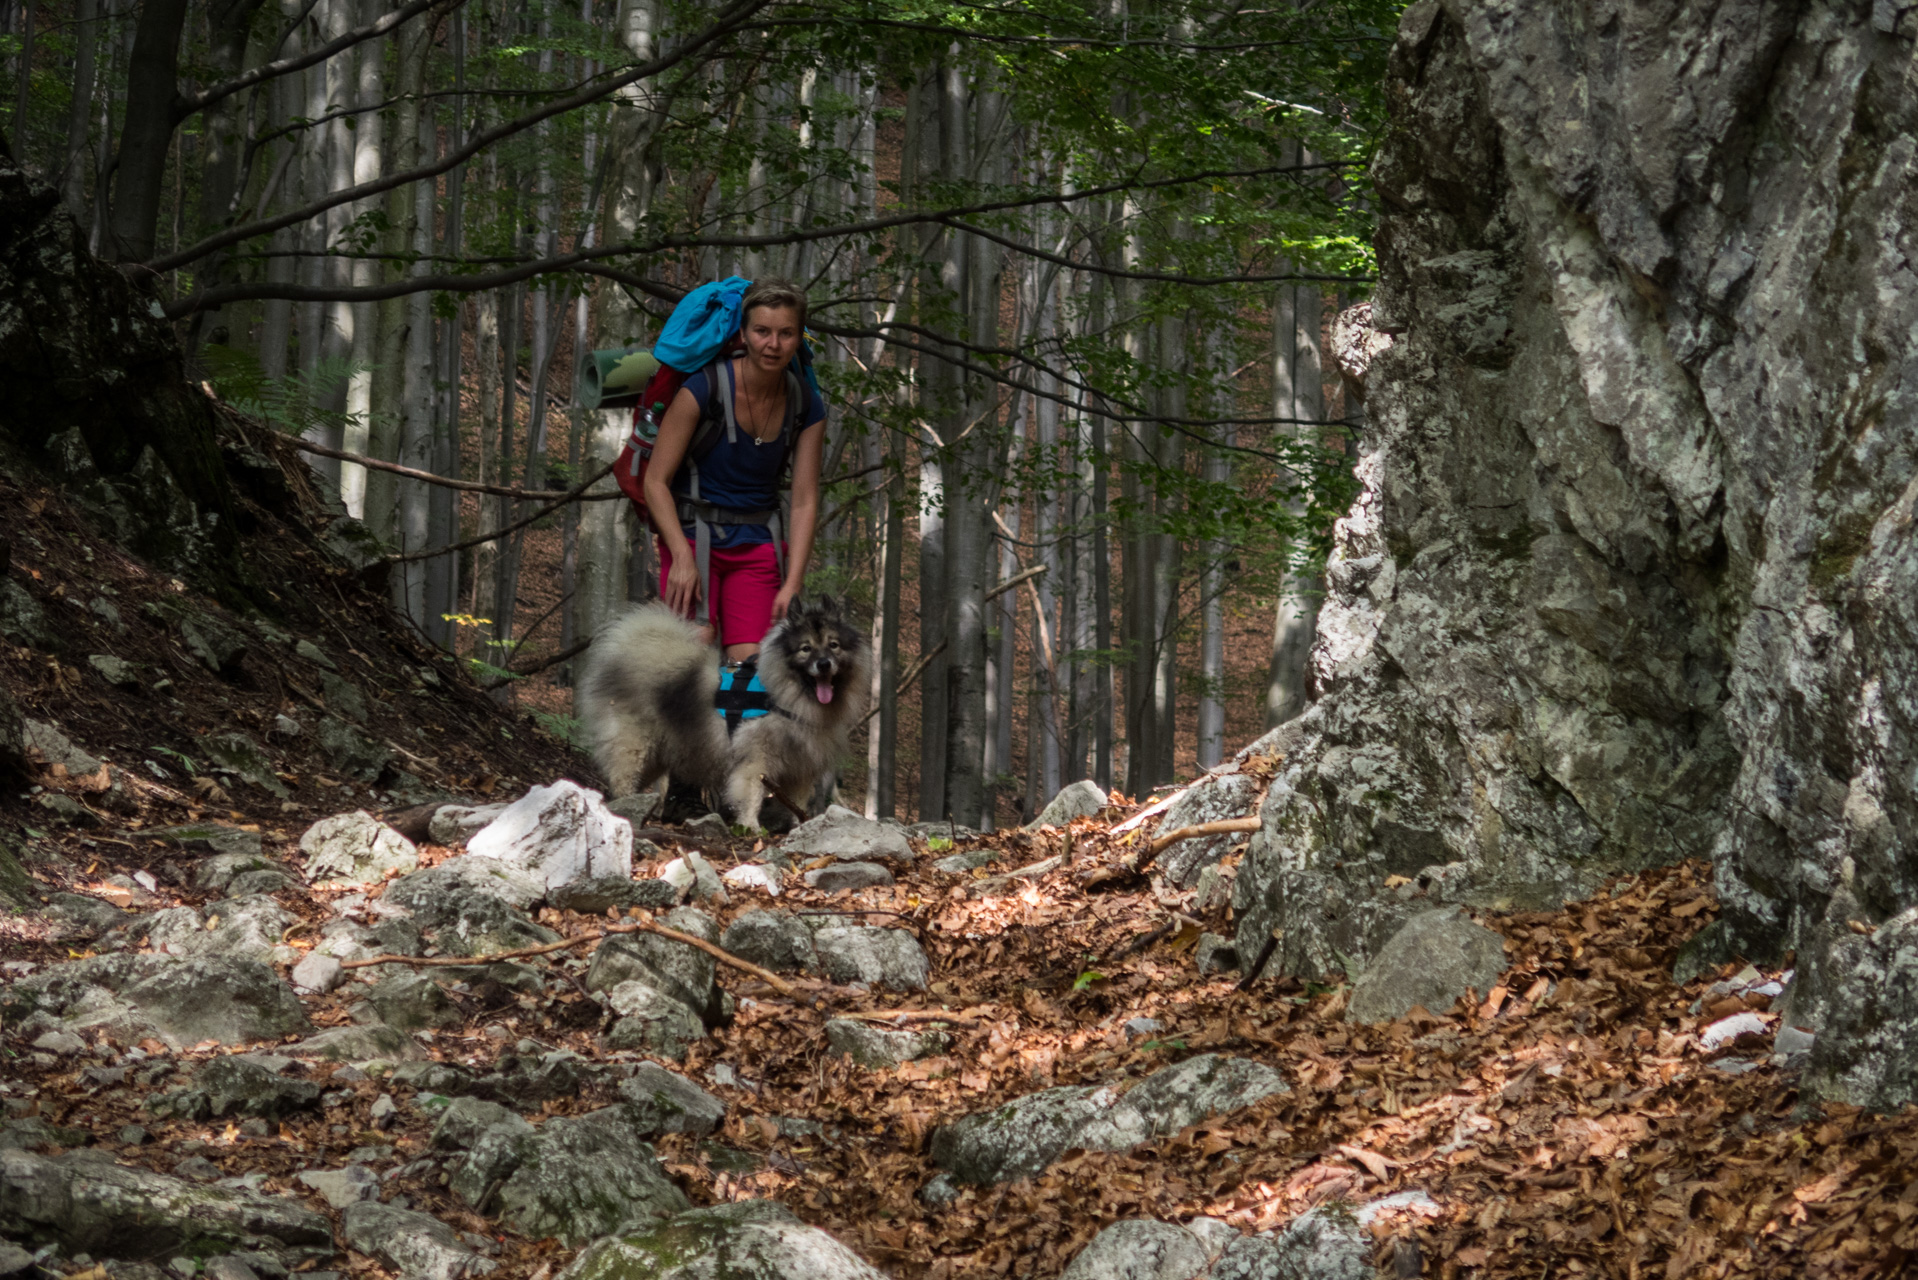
point(724, 957)
point(783, 798)
point(1133, 866)
point(911, 1015)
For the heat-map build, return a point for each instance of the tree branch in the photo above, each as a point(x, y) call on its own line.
point(186, 104)
point(468, 486)
point(571, 495)
point(729, 21)
point(562, 262)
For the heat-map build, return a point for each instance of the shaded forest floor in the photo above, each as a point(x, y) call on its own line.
point(1568, 1122)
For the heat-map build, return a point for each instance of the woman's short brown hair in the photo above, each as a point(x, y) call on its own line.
point(772, 291)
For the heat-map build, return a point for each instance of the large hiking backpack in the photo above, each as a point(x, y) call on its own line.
point(703, 329)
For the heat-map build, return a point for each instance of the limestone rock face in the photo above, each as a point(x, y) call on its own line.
point(1633, 576)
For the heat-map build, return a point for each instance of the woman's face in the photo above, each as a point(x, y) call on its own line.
point(772, 336)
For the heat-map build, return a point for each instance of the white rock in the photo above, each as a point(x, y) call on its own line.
point(317, 973)
point(357, 849)
point(754, 875)
point(1726, 1030)
point(562, 833)
point(693, 871)
point(1082, 799)
point(841, 833)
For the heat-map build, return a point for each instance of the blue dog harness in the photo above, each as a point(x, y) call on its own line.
point(742, 697)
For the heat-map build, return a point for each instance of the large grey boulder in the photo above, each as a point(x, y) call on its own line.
point(92, 1205)
point(1081, 799)
point(877, 957)
point(587, 1176)
point(1431, 961)
point(661, 1101)
point(851, 837)
point(561, 833)
point(1140, 1249)
point(417, 1245)
point(1021, 1138)
point(745, 1240)
point(356, 849)
point(776, 940)
point(651, 1020)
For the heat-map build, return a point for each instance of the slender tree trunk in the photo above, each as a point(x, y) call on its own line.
point(1297, 393)
point(369, 422)
point(23, 99)
point(147, 135)
point(885, 752)
point(73, 175)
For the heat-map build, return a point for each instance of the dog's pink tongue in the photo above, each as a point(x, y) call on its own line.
point(823, 691)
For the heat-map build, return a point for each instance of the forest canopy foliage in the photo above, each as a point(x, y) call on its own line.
point(1071, 264)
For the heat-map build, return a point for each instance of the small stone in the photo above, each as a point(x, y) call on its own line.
point(637, 808)
point(343, 1187)
point(708, 826)
point(772, 940)
point(314, 654)
point(317, 973)
point(183, 1266)
point(115, 671)
point(959, 864)
point(1726, 1030)
point(1792, 1041)
point(841, 833)
point(880, 1047)
point(228, 1267)
point(842, 876)
point(661, 1101)
point(755, 875)
point(130, 1135)
point(356, 849)
point(1433, 959)
point(13, 1259)
point(198, 1168)
point(384, 1110)
point(1215, 954)
point(1082, 799)
point(695, 873)
point(64, 1042)
point(285, 726)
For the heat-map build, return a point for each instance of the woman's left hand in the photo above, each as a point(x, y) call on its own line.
point(783, 601)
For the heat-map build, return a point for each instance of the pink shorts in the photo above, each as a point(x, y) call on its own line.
point(745, 581)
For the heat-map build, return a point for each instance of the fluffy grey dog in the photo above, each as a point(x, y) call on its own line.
point(646, 700)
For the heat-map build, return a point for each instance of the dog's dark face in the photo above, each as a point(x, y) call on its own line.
point(819, 646)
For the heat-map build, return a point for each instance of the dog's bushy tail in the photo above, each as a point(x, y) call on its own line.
point(645, 698)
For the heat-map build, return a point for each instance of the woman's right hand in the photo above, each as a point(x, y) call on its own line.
point(682, 586)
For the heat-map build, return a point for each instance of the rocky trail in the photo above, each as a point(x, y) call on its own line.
point(263, 1045)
